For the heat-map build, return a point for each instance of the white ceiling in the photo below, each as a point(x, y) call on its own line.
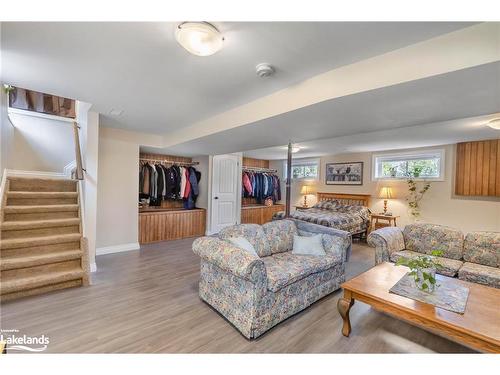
point(140, 69)
point(460, 94)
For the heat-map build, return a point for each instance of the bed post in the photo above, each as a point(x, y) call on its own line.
point(288, 179)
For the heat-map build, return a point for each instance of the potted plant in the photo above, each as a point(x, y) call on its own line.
point(415, 194)
point(423, 270)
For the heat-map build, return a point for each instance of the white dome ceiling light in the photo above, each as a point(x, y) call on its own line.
point(494, 124)
point(199, 38)
point(264, 70)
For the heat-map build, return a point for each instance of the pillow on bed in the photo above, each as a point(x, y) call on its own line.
point(327, 205)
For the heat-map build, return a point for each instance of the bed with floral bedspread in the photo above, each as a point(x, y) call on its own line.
point(331, 213)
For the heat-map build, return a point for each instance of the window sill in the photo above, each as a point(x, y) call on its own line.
point(431, 179)
point(24, 112)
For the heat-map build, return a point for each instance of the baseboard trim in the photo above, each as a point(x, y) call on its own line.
point(93, 267)
point(117, 248)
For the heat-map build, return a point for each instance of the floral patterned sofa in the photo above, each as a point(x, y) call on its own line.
point(475, 257)
point(256, 293)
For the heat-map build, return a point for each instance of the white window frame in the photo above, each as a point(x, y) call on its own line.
point(303, 161)
point(409, 154)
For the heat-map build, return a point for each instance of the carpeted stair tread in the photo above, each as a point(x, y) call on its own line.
point(42, 194)
point(35, 224)
point(23, 261)
point(41, 184)
point(15, 243)
point(41, 247)
point(41, 208)
point(31, 282)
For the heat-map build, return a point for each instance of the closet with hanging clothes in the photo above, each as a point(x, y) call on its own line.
point(261, 191)
point(168, 190)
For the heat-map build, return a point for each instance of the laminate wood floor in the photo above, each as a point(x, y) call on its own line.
point(147, 301)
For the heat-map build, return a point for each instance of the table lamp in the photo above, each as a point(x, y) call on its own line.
point(385, 194)
point(305, 191)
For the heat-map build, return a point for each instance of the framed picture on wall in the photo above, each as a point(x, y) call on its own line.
point(344, 173)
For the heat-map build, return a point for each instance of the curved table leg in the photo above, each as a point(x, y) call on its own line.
point(344, 304)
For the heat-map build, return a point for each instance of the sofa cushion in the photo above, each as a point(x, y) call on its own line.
point(279, 235)
point(483, 248)
point(449, 268)
point(308, 245)
point(285, 268)
point(253, 233)
point(425, 238)
point(243, 244)
point(480, 274)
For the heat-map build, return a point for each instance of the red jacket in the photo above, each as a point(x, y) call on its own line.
point(247, 184)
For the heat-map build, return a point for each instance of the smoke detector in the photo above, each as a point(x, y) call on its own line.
point(264, 70)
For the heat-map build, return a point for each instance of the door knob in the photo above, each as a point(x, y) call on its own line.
point(216, 197)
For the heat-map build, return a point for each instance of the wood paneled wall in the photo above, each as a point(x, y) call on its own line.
point(259, 214)
point(260, 163)
point(178, 159)
point(171, 225)
point(478, 168)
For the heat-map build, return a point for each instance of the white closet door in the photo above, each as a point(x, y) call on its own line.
point(225, 191)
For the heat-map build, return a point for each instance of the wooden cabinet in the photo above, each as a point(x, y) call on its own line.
point(259, 214)
point(170, 224)
point(478, 168)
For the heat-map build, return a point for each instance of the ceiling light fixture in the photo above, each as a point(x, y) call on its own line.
point(199, 38)
point(494, 124)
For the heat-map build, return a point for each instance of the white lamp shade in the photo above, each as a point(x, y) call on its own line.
point(199, 38)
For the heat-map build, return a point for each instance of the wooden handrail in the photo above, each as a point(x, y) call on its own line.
point(78, 154)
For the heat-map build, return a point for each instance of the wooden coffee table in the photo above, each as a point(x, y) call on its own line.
point(478, 327)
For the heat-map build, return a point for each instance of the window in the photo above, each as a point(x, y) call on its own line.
point(38, 102)
point(422, 165)
point(303, 169)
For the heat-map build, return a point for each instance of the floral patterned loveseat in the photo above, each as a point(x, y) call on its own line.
point(256, 293)
point(475, 257)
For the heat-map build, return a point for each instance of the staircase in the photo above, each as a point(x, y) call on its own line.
point(41, 244)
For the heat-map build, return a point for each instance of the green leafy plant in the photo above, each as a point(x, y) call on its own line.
point(416, 191)
point(423, 269)
point(7, 88)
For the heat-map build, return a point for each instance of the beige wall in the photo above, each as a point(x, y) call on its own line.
point(117, 191)
point(438, 206)
point(38, 143)
point(89, 141)
point(6, 133)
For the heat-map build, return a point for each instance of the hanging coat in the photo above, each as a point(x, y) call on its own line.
point(187, 190)
point(247, 184)
point(194, 178)
point(183, 181)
